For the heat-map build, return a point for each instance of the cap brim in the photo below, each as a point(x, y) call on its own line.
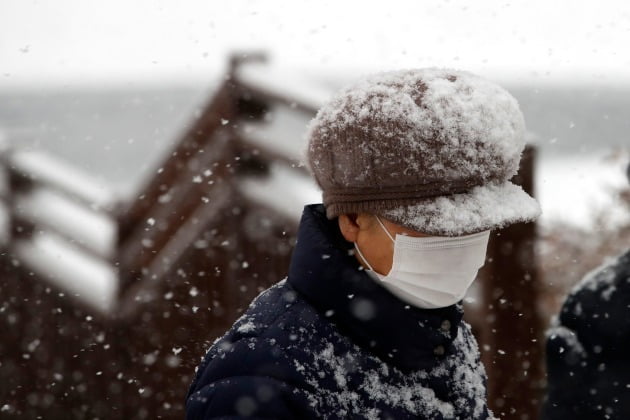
point(487, 207)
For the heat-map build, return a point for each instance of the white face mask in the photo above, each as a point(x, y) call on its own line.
point(432, 272)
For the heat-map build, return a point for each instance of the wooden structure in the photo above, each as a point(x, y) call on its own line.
point(508, 324)
point(106, 307)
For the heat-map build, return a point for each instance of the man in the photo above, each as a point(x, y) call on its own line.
point(588, 348)
point(414, 168)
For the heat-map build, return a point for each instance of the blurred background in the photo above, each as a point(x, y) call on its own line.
point(151, 175)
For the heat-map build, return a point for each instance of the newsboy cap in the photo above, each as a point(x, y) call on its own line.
point(430, 149)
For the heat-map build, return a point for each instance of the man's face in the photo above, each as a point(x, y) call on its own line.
point(376, 246)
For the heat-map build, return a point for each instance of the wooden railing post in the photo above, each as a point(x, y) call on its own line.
point(512, 333)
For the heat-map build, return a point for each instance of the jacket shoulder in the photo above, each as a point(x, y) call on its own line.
point(247, 369)
point(588, 344)
point(597, 308)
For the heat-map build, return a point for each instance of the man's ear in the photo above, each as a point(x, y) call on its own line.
point(349, 227)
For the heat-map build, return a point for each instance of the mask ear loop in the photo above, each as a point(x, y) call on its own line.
point(385, 229)
point(359, 251)
point(362, 257)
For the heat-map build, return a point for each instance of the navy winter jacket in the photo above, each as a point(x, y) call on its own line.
point(588, 350)
point(329, 342)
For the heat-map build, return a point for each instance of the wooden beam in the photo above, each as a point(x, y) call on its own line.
point(512, 334)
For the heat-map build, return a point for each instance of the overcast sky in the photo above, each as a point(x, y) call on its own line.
point(75, 42)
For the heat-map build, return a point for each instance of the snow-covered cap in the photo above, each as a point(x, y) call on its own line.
point(430, 149)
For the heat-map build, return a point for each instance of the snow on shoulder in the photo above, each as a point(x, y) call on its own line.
point(604, 277)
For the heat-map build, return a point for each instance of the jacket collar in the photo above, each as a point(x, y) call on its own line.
point(324, 270)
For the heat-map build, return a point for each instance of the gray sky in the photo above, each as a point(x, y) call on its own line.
point(76, 42)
